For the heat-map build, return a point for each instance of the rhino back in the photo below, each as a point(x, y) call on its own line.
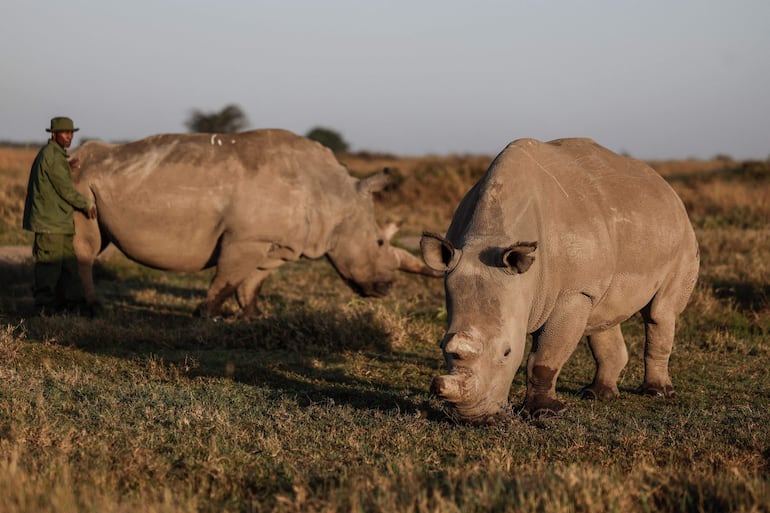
point(605, 224)
point(172, 191)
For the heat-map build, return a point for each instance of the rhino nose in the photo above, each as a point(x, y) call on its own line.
point(460, 347)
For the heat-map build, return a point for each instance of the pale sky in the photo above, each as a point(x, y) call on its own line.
point(652, 78)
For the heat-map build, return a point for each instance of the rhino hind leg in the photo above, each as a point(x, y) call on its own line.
point(611, 356)
point(659, 342)
point(87, 243)
point(660, 317)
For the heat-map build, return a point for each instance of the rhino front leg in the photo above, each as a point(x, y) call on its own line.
point(611, 356)
point(237, 273)
point(552, 346)
point(248, 293)
point(218, 292)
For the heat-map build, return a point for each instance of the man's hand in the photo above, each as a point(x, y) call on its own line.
point(92, 212)
point(74, 164)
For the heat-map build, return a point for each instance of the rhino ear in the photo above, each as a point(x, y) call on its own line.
point(374, 183)
point(438, 252)
point(518, 258)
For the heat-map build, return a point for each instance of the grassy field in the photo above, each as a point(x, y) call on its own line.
point(322, 405)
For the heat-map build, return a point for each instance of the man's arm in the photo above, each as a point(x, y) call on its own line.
point(60, 177)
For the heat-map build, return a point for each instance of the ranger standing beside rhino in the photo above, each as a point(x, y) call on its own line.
point(559, 240)
point(48, 211)
point(245, 203)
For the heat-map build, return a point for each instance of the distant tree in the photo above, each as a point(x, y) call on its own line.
point(229, 120)
point(328, 137)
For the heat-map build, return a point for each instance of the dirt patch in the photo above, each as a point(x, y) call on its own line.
point(15, 254)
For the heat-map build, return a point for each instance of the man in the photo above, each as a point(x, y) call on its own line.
point(51, 201)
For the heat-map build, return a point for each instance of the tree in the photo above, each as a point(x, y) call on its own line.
point(328, 137)
point(229, 120)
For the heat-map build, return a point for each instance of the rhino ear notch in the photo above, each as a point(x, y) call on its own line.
point(438, 253)
point(518, 258)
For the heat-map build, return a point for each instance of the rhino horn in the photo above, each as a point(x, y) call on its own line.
point(448, 387)
point(439, 253)
point(389, 230)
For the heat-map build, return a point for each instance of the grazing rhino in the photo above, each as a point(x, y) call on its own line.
point(245, 203)
point(559, 240)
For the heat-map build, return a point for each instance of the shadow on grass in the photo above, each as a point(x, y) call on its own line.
point(15, 282)
point(16, 291)
point(297, 353)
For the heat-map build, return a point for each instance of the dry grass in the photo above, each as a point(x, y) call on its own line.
point(14, 172)
point(424, 191)
point(322, 405)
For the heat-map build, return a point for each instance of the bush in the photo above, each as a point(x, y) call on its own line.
point(329, 138)
point(229, 120)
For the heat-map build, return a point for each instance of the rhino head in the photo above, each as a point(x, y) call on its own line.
point(361, 250)
point(487, 318)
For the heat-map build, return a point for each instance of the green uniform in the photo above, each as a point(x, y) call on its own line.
point(51, 200)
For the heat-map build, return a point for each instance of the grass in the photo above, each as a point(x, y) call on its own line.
point(322, 405)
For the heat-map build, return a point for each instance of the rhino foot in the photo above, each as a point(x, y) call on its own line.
point(544, 413)
point(599, 393)
point(542, 408)
point(250, 314)
point(203, 311)
point(666, 391)
point(94, 309)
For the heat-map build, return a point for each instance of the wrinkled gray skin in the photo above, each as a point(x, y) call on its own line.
point(245, 203)
point(559, 240)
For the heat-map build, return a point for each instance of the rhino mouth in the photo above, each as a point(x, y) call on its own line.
point(462, 406)
point(479, 414)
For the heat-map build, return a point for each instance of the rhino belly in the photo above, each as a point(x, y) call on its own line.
point(163, 244)
point(627, 294)
point(168, 251)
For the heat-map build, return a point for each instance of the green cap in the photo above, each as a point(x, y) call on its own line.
point(62, 124)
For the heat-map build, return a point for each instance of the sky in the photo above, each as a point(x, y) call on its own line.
point(656, 79)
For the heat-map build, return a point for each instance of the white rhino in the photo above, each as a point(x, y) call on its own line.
point(559, 240)
point(245, 203)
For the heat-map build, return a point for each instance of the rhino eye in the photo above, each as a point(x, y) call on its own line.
point(380, 242)
point(507, 352)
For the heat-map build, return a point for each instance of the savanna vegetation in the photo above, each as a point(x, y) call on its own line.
point(322, 405)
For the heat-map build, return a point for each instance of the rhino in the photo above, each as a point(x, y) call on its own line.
point(558, 240)
point(244, 203)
